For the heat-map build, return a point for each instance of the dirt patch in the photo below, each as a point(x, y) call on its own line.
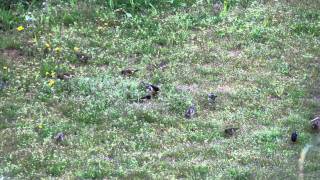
point(234, 53)
point(188, 88)
point(12, 54)
point(225, 89)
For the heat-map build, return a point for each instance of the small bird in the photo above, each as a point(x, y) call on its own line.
point(294, 136)
point(64, 76)
point(315, 123)
point(144, 98)
point(152, 89)
point(217, 8)
point(212, 97)
point(191, 111)
point(82, 57)
point(59, 137)
point(230, 131)
point(129, 72)
point(162, 65)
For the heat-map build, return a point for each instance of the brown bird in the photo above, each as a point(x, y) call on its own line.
point(191, 111)
point(83, 57)
point(315, 123)
point(64, 76)
point(230, 131)
point(129, 71)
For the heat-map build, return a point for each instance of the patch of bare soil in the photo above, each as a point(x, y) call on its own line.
point(234, 53)
point(12, 54)
point(188, 88)
point(225, 89)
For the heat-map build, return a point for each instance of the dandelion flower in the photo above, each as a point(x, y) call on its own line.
point(58, 49)
point(76, 49)
point(47, 45)
point(20, 28)
point(51, 82)
point(53, 74)
point(40, 126)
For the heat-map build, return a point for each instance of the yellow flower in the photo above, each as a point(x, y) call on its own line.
point(20, 28)
point(76, 49)
point(53, 74)
point(40, 126)
point(47, 73)
point(51, 82)
point(5, 68)
point(47, 45)
point(58, 49)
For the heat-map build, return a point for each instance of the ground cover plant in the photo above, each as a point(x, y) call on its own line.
point(76, 99)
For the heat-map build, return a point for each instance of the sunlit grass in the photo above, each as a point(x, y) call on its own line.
point(61, 73)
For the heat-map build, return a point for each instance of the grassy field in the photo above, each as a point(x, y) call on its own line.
point(261, 58)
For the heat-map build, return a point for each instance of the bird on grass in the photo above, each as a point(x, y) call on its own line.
point(64, 76)
point(144, 98)
point(129, 72)
point(217, 7)
point(152, 89)
point(230, 131)
point(82, 57)
point(59, 137)
point(162, 65)
point(294, 136)
point(315, 123)
point(191, 112)
point(212, 97)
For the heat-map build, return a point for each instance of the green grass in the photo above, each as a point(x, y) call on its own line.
point(260, 58)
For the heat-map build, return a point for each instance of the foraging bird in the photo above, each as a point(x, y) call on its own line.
point(212, 97)
point(191, 111)
point(128, 72)
point(59, 137)
point(152, 89)
point(217, 8)
point(315, 123)
point(294, 136)
point(64, 76)
point(230, 131)
point(162, 65)
point(144, 98)
point(82, 57)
